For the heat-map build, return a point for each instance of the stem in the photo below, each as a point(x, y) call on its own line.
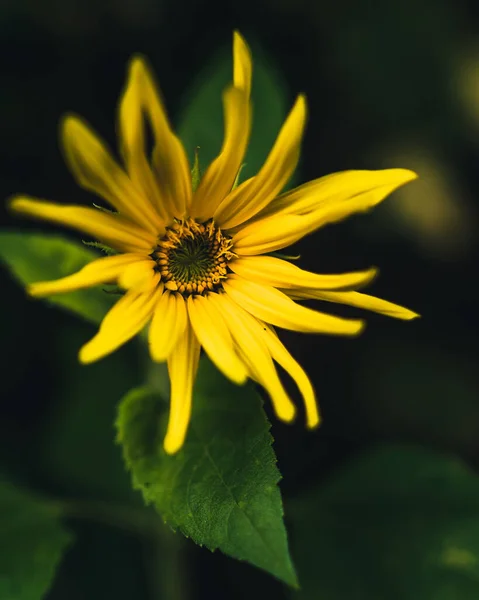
point(164, 552)
point(165, 557)
point(165, 563)
point(134, 520)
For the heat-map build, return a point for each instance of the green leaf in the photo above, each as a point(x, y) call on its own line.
point(399, 523)
point(35, 257)
point(221, 488)
point(32, 544)
point(77, 449)
point(201, 122)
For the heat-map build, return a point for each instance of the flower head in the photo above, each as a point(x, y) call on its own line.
point(197, 265)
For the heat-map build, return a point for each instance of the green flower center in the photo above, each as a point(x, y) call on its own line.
point(192, 257)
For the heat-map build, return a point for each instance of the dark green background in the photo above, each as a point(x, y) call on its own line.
point(388, 84)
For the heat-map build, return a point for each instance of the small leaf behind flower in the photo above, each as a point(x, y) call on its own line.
point(32, 542)
point(33, 257)
point(221, 489)
point(201, 122)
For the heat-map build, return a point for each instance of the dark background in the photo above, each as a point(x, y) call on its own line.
point(388, 84)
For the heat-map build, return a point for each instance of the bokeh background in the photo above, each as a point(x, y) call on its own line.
point(388, 84)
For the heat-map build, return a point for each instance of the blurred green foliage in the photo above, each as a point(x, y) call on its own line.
point(381, 81)
point(398, 522)
point(33, 541)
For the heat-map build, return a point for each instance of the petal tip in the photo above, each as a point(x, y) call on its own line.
point(301, 105)
point(404, 176)
point(237, 37)
point(157, 357)
point(34, 290)
point(172, 444)
point(410, 175)
point(136, 64)
point(313, 422)
point(16, 204)
point(242, 378)
point(85, 355)
point(410, 315)
point(69, 122)
point(287, 414)
point(358, 327)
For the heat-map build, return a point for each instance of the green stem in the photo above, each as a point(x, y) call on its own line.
point(165, 563)
point(164, 550)
point(134, 520)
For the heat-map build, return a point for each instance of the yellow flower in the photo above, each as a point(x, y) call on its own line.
point(196, 264)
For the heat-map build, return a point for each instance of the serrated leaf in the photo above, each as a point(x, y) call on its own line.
point(399, 522)
point(221, 489)
point(35, 257)
point(201, 122)
point(32, 543)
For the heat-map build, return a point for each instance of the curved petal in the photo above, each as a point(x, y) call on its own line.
point(112, 229)
point(244, 202)
point(127, 318)
point(167, 326)
point(271, 305)
point(220, 176)
point(284, 358)
point(278, 231)
point(215, 338)
point(182, 368)
point(242, 64)
point(103, 270)
point(132, 142)
point(276, 272)
point(356, 299)
point(247, 334)
point(333, 188)
point(169, 161)
point(95, 170)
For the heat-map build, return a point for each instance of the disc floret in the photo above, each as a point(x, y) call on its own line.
point(192, 257)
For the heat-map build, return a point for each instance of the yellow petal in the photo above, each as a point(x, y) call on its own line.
point(138, 274)
point(275, 272)
point(103, 270)
point(334, 188)
point(245, 201)
point(271, 305)
point(278, 231)
point(284, 358)
point(113, 230)
point(358, 300)
point(242, 64)
point(127, 318)
point(132, 143)
point(215, 338)
point(167, 326)
point(95, 170)
point(247, 334)
point(220, 176)
point(182, 367)
point(170, 163)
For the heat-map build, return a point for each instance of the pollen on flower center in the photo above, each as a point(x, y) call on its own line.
point(193, 257)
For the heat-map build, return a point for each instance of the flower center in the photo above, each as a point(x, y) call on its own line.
point(192, 257)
